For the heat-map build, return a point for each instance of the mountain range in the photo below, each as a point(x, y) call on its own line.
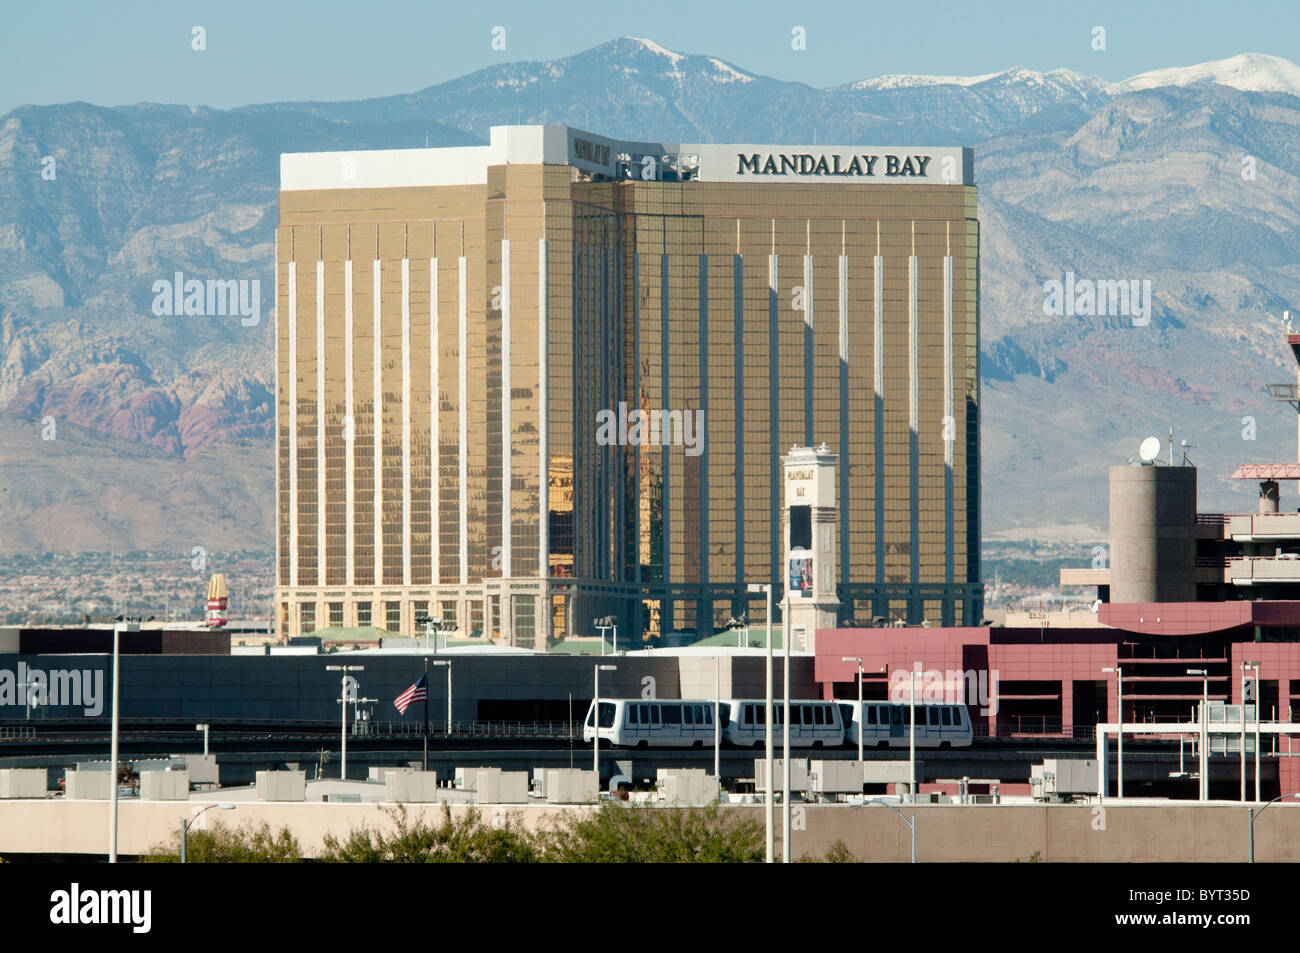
point(163, 426)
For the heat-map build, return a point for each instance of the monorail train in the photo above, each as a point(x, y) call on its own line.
point(886, 724)
point(688, 723)
point(813, 724)
point(634, 723)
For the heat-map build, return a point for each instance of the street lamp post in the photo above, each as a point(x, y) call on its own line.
point(911, 734)
point(595, 723)
point(123, 624)
point(1247, 667)
point(1119, 744)
point(187, 824)
point(769, 814)
point(785, 733)
point(1205, 756)
point(447, 663)
point(858, 659)
point(343, 701)
point(1254, 814)
point(717, 720)
point(911, 823)
point(432, 626)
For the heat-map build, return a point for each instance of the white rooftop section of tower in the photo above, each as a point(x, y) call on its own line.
point(615, 159)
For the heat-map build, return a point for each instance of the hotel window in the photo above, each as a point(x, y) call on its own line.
point(336, 613)
point(307, 617)
point(284, 618)
point(449, 614)
point(419, 608)
point(363, 613)
point(393, 616)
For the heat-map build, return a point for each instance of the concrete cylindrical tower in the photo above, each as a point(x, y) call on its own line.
point(1152, 547)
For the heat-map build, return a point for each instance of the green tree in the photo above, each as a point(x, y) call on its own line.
point(219, 844)
point(622, 834)
point(464, 840)
point(837, 853)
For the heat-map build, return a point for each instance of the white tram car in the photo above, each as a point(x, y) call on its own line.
point(887, 724)
point(813, 723)
point(634, 723)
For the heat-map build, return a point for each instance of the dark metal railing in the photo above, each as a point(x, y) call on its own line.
point(470, 729)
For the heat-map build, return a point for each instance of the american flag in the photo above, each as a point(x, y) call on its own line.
point(416, 693)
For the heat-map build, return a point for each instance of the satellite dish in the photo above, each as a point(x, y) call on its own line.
point(1150, 449)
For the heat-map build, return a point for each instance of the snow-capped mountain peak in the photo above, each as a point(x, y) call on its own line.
point(651, 46)
point(1253, 72)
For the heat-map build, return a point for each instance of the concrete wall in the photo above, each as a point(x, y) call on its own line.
point(1213, 833)
point(1152, 519)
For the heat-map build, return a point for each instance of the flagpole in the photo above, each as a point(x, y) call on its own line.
point(426, 713)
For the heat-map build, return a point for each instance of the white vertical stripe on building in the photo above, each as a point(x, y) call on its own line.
point(949, 421)
point(463, 346)
point(435, 459)
point(320, 423)
point(378, 495)
point(878, 328)
point(913, 383)
point(843, 402)
point(349, 425)
point(844, 308)
point(505, 410)
point(406, 421)
point(809, 369)
point(293, 424)
point(544, 425)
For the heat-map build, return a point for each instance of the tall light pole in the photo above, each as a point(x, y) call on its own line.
point(717, 720)
point(343, 701)
point(769, 814)
point(603, 624)
point(785, 733)
point(1205, 759)
point(1254, 814)
point(1119, 749)
point(911, 823)
point(124, 624)
point(1247, 667)
point(595, 723)
point(432, 626)
point(911, 734)
point(447, 663)
point(858, 659)
point(187, 824)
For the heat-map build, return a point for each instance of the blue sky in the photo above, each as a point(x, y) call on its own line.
point(111, 54)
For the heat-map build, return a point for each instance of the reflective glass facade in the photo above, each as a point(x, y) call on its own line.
point(552, 396)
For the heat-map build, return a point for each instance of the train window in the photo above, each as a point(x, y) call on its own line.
point(645, 714)
point(871, 714)
point(947, 715)
point(630, 718)
point(688, 714)
point(896, 714)
point(932, 716)
point(654, 714)
point(607, 714)
point(672, 714)
point(708, 715)
point(819, 715)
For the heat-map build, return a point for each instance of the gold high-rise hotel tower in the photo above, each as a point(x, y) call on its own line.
point(466, 336)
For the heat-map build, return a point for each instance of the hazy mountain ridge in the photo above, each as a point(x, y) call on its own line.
point(1137, 180)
